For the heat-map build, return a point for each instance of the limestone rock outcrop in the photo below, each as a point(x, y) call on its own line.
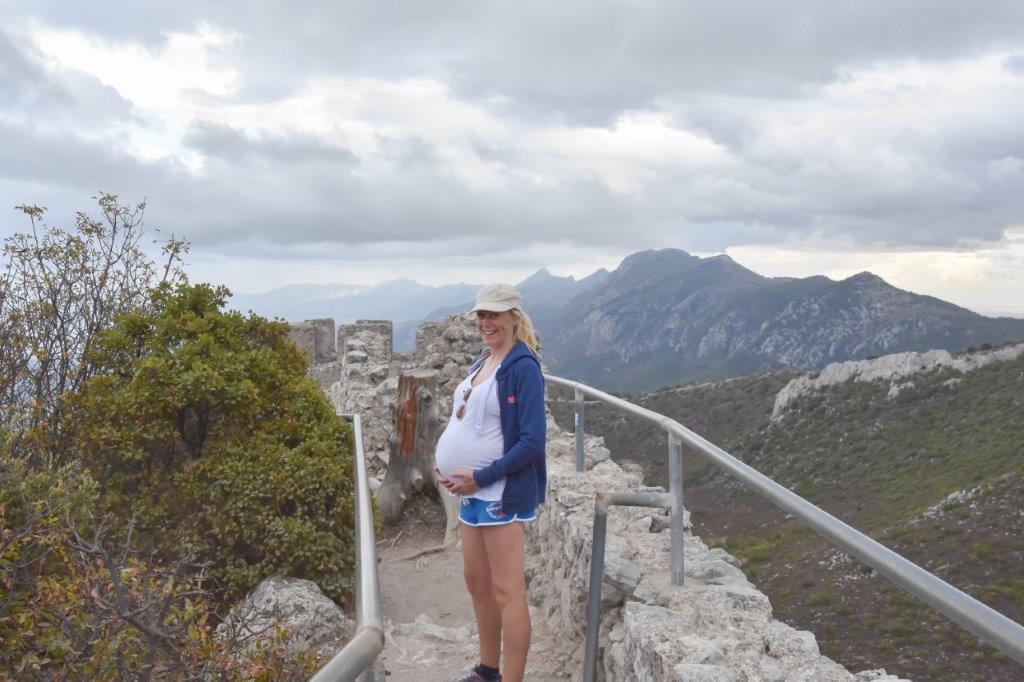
point(310, 618)
point(897, 369)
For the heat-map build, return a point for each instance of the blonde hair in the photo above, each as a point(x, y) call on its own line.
point(524, 329)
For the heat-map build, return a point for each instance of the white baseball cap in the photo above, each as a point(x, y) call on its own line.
point(498, 298)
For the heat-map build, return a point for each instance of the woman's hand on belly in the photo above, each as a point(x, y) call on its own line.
point(440, 478)
point(463, 483)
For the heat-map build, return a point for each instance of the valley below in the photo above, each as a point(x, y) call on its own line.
point(930, 465)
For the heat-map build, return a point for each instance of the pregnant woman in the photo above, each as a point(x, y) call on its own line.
point(492, 455)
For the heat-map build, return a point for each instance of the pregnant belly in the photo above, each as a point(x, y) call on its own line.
point(460, 450)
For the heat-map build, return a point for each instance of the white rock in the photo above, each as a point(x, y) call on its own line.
point(698, 672)
point(878, 674)
point(717, 572)
point(783, 641)
point(356, 356)
point(313, 621)
point(425, 629)
point(722, 555)
point(896, 388)
point(892, 368)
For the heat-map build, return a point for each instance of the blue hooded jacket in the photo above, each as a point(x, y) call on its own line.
point(520, 388)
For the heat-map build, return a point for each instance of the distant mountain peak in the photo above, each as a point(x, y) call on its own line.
point(658, 254)
point(865, 277)
point(654, 263)
point(543, 276)
point(596, 277)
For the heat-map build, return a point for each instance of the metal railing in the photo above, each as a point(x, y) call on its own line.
point(986, 623)
point(601, 505)
point(358, 659)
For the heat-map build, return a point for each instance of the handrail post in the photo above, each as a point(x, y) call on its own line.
point(675, 475)
point(594, 592)
point(601, 504)
point(580, 463)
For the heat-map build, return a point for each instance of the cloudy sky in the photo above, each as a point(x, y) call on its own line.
point(472, 141)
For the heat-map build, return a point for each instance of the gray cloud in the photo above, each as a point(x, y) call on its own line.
point(233, 145)
point(727, 72)
point(578, 58)
point(28, 91)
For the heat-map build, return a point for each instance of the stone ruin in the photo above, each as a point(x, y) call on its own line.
point(718, 626)
point(360, 373)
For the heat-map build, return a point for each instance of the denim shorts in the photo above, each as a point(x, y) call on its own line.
point(474, 512)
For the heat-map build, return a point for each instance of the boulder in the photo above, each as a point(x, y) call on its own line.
point(310, 618)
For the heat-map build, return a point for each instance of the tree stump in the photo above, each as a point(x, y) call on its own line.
point(411, 444)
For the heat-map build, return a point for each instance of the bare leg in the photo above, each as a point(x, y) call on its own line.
point(504, 545)
point(478, 581)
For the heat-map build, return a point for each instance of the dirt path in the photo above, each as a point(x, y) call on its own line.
point(431, 631)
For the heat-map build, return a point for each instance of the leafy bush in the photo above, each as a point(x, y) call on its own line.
point(76, 604)
point(202, 424)
point(139, 458)
point(58, 290)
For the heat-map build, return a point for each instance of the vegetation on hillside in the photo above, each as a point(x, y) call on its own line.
point(156, 461)
point(885, 466)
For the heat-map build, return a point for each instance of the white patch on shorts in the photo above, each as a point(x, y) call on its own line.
point(494, 510)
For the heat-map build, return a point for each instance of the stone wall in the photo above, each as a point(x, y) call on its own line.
point(366, 382)
point(449, 346)
point(716, 627)
point(315, 338)
point(364, 378)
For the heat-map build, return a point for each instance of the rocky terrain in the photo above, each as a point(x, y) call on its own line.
point(921, 451)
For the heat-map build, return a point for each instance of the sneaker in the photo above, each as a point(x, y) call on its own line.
point(474, 676)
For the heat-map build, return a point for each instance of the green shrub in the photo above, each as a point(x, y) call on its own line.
point(77, 603)
point(203, 425)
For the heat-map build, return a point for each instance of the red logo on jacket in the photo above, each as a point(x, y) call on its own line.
point(511, 400)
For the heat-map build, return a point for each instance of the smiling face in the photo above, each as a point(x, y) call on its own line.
point(496, 329)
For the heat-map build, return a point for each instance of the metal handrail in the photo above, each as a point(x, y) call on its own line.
point(357, 658)
point(601, 504)
point(985, 622)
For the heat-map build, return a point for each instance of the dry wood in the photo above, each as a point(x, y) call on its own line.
point(411, 443)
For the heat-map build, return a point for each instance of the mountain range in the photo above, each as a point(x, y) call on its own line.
point(665, 316)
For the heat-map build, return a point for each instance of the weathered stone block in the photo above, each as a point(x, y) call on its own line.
point(698, 672)
point(315, 339)
point(716, 572)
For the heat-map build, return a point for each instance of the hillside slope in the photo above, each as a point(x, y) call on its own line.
point(934, 470)
point(663, 317)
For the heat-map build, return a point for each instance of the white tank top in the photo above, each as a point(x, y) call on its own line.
point(474, 441)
